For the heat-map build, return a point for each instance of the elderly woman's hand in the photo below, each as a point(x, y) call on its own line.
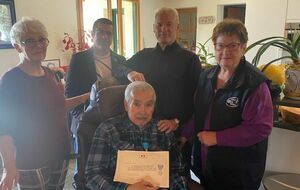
point(208, 138)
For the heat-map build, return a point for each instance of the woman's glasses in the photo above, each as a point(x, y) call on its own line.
point(32, 43)
point(232, 46)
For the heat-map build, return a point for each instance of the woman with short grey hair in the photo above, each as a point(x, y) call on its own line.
point(34, 138)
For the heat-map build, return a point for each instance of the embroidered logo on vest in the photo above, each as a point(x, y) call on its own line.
point(232, 102)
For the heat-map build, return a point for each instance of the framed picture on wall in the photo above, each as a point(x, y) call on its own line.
point(51, 63)
point(7, 19)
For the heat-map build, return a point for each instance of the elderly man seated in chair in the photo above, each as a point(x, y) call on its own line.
point(128, 132)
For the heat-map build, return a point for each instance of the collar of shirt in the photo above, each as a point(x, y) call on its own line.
point(168, 48)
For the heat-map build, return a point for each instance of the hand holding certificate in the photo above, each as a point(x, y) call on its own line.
point(135, 166)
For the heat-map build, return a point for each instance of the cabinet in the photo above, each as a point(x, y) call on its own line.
point(277, 180)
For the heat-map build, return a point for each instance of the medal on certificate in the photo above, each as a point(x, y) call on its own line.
point(151, 166)
point(145, 146)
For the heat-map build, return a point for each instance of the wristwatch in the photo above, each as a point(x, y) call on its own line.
point(177, 122)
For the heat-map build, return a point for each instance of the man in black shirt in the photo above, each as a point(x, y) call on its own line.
point(172, 70)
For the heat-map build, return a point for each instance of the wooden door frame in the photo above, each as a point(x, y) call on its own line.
point(80, 26)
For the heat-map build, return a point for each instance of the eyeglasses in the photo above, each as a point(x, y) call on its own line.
point(32, 43)
point(103, 32)
point(232, 46)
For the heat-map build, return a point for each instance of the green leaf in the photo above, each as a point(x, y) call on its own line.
point(203, 53)
point(291, 47)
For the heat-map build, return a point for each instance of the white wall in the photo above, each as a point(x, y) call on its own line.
point(283, 151)
point(263, 21)
point(58, 18)
point(147, 10)
point(8, 59)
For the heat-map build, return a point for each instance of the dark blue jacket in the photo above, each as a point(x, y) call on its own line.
point(232, 168)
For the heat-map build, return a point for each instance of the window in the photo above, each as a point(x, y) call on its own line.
point(126, 39)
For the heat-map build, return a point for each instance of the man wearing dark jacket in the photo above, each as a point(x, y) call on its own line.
point(97, 63)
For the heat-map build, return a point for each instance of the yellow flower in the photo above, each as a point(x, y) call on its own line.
point(275, 73)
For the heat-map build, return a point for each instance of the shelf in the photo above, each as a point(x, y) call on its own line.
point(284, 125)
point(287, 102)
point(278, 122)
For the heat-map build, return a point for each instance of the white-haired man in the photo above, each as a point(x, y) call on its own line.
point(128, 132)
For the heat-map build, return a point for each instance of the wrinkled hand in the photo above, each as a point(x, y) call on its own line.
point(167, 125)
point(10, 179)
point(84, 97)
point(208, 138)
point(181, 141)
point(142, 185)
point(135, 76)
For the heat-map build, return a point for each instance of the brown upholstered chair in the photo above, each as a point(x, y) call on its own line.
point(109, 104)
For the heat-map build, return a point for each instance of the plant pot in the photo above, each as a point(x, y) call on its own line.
point(292, 82)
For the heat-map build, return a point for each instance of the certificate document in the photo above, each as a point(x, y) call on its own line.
point(134, 166)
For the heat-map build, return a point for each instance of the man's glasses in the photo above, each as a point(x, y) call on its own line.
point(103, 32)
point(33, 43)
point(232, 46)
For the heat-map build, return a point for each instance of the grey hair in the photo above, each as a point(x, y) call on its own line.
point(26, 26)
point(167, 10)
point(138, 86)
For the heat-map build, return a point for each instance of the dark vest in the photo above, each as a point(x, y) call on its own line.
point(229, 167)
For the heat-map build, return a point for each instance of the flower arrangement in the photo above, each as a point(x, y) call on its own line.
point(70, 44)
point(291, 57)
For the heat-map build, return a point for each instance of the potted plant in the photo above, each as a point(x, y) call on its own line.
point(203, 54)
point(291, 56)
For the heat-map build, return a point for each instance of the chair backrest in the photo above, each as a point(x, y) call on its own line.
point(109, 103)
